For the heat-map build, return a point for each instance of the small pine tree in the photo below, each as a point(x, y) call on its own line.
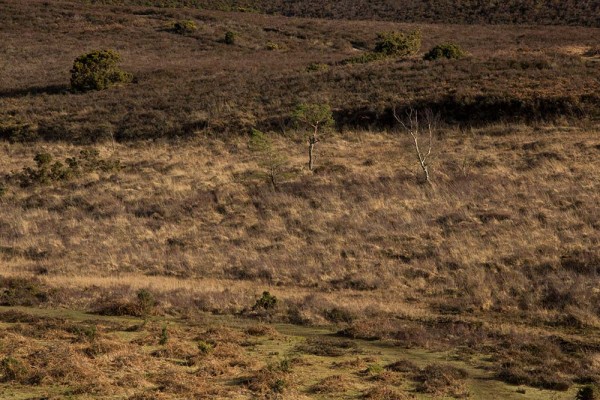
point(146, 302)
point(97, 70)
point(319, 118)
point(275, 165)
point(164, 336)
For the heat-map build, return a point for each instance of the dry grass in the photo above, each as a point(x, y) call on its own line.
point(499, 255)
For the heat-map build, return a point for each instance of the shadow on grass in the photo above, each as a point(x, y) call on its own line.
point(34, 91)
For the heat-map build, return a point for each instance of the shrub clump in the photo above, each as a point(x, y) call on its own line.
point(184, 27)
point(390, 44)
point(398, 44)
point(12, 369)
point(442, 380)
point(47, 171)
point(97, 70)
point(266, 302)
point(22, 292)
point(316, 67)
point(143, 306)
point(446, 50)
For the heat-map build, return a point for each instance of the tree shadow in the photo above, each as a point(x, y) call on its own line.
point(33, 91)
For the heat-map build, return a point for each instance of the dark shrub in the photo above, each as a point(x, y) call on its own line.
point(586, 393)
point(447, 50)
point(266, 302)
point(12, 369)
point(184, 27)
point(97, 70)
point(229, 37)
point(146, 302)
point(47, 171)
point(338, 315)
point(22, 292)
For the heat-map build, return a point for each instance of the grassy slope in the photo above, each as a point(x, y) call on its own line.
point(498, 255)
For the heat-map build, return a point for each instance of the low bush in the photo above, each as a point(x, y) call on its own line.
point(184, 27)
point(12, 370)
point(390, 44)
point(229, 37)
point(398, 44)
point(402, 366)
point(446, 50)
point(442, 380)
point(204, 347)
point(543, 377)
point(22, 292)
point(270, 379)
point(384, 393)
point(143, 306)
point(587, 392)
point(48, 171)
point(266, 302)
point(315, 67)
point(164, 336)
point(97, 70)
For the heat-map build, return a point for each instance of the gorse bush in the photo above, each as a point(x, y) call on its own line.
point(229, 37)
point(97, 70)
point(365, 58)
point(390, 44)
point(184, 27)
point(266, 302)
point(398, 44)
point(45, 171)
point(446, 50)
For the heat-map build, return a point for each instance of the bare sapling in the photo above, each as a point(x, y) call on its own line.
point(418, 130)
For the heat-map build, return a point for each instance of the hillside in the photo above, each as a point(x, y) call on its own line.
point(165, 238)
point(187, 84)
point(529, 12)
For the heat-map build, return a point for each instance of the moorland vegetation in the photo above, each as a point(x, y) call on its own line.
point(217, 204)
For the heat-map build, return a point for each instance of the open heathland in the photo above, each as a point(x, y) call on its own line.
point(218, 200)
